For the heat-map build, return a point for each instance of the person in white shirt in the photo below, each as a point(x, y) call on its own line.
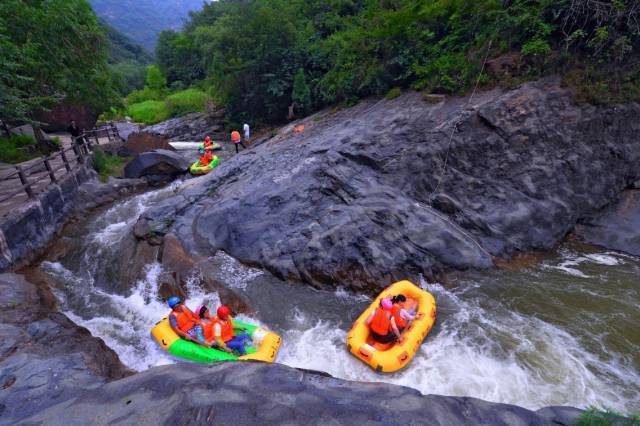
point(247, 132)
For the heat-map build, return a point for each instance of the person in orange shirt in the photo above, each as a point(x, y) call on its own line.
point(237, 140)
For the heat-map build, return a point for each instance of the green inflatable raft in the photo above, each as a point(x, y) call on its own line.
point(264, 348)
point(198, 169)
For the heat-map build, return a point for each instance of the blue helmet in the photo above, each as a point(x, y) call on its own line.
point(173, 301)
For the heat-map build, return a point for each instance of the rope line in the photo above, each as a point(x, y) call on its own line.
point(455, 127)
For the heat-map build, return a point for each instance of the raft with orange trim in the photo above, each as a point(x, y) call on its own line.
point(265, 344)
point(390, 357)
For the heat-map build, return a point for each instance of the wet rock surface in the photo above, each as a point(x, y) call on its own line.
point(26, 231)
point(44, 357)
point(400, 188)
point(160, 165)
point(192, 127)
point(255, 393)
point(617, 227)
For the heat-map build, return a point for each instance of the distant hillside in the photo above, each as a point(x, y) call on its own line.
point(122, 48)
point(142, 20)
point(126, 58)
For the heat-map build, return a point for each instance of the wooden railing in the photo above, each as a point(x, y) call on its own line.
point(81, 147)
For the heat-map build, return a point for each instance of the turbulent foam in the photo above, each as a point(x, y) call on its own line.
point(233, 273)
point(505, 358)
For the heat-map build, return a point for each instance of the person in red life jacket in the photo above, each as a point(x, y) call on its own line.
point(382, 323)
point(237, 140)
point(400, 314)
point(224, 333)
point(185, 323)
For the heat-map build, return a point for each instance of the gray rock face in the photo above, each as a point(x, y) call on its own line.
point(255, 393)
point(395, 189)
point(192, 127)
point(159, 162)
point(29, 228)
point(617, 227)
point(44, 357)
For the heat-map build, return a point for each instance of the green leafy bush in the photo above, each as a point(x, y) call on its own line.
point(108, 165)
point(148, 112)
point(186, 101)
point(15, 149)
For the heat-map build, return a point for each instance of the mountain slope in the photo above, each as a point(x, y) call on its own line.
point(142, 20)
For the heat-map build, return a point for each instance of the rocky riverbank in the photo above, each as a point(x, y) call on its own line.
point(262, 394)
point(26, 231)
point(403, 188)
point(44, 357)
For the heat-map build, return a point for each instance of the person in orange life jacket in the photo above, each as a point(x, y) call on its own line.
point(223, 332)
point(400, 314)
point(205, 156)
point(185, 323)
point(382, 323)
point(235, 138)
point(207, 142)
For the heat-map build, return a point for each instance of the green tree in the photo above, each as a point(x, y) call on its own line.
point(301, 93)
point(51, 50)
point(155, 80)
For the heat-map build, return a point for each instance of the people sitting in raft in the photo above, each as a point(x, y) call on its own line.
point(206, 156)
point(185, 323)
point(222, 331)
point(400, 314)
point(382, 323)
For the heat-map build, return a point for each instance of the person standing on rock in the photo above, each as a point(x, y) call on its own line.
point(247, 132)
point(185, 323)
point(235, 138)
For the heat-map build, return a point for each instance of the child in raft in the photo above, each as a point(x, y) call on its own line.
point(221, 330)
point(382, 323)
point(401, 315)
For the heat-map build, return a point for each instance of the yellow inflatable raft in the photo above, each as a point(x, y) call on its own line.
point(265, 344)
point(387, 358)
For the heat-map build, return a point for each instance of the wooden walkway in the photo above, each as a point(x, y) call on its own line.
point(23, 182)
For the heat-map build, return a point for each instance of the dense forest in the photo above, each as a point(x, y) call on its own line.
point(57, 50)
point(259, 57)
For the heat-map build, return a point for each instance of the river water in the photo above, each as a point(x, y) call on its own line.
point(562, 330)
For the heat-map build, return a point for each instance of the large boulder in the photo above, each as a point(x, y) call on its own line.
point(245, 393)
point(126, 128)
point(44, 357)
point(617, 227)
point(401, 188)
point(157, 163)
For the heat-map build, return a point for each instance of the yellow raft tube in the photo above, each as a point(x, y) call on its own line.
point(265, 345)
point(387, 358)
